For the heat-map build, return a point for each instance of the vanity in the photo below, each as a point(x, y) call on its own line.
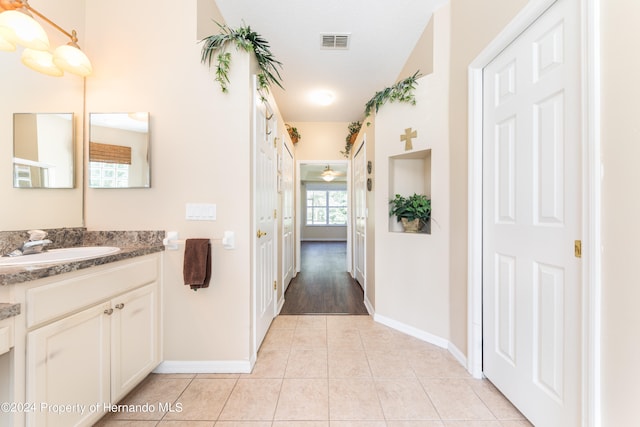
point(79, 335)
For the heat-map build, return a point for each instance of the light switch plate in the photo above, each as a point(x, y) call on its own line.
point(200, 212)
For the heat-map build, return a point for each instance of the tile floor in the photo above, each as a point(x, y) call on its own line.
point(328, 371)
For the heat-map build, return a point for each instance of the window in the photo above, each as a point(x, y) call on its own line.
point(326, 207)
point(109, 175)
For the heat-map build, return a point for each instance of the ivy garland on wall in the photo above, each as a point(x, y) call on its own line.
point(216, 47)
point(400, 92)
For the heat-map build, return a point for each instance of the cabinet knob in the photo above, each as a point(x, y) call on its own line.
point(120, 306)
point(108, 311)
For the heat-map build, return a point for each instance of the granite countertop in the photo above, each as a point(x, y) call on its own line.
point(131, 243)
point(8, 310)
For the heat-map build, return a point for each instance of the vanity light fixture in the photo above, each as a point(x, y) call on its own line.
point(18, 27)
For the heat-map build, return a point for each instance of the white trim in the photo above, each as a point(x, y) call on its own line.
point(204, 367)
point(412, 331)
point(369, 306)
point(591, 373)
point(592, 242)
point(280, 304)
point(459, 355)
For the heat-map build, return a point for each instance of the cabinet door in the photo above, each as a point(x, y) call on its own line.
point(68, 364)
point(135, 349)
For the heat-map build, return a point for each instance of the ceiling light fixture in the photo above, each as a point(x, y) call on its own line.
point(328, 174)
point(17, 27)
point(322, 97)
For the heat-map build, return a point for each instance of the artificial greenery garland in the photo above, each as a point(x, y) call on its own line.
point(247, 40)
point(401, 92)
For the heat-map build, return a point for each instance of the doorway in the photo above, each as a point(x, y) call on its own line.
point(532, 306)
point(323, 239)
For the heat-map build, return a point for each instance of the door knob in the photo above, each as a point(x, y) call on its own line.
point(261, 233)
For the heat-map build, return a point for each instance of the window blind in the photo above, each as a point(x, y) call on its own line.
point(109, 153)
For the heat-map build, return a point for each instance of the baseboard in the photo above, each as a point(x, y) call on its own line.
point(460, 357)
point(369, 307)
point(323, 239)
point(412, 331)
point(204, 367)
point(280, 304)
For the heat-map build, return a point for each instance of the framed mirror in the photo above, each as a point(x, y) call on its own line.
point(43, 150)
point(119, 154)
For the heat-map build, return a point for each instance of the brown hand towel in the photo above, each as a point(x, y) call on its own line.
point(197, 263)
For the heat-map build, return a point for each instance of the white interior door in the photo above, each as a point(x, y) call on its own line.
point(532, 215)
point(360, 213)
point(288, 209)
point(265, 196)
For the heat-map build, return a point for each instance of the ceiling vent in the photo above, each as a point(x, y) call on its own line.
point(335, 41)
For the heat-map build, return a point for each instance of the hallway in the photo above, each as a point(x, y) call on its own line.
point(327, 371)
point(323, 285)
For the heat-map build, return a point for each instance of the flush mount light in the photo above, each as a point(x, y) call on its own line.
point(17, 26)
point(322, 97)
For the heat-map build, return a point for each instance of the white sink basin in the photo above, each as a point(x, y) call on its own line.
point(54, 256)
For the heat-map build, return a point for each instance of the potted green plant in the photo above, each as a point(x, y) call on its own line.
point(413, 211)
point(354, 128)
point(293, 133)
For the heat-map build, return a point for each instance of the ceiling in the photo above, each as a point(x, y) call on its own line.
point(382, 35)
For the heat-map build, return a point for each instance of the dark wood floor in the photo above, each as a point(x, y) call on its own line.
point(323, 285)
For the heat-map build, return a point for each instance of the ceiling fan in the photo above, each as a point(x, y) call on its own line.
point(329, 174)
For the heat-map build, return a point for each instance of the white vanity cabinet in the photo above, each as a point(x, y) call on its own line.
point(90, 338)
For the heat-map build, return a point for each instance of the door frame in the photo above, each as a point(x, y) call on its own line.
point(361, 148)
point(300, 216)
point(591, 188)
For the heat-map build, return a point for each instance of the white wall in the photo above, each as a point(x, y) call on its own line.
point(620, 212)
point(412, 270)
point(201, 152)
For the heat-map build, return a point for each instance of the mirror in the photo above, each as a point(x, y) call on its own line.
point(43, 150)
point(119, 150)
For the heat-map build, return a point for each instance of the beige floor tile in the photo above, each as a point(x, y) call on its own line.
point(335, 323)
point(271, 363)
point(420, 423)
point(389, 364)
point(435, 363)
point(378, 340)
point(344, 339)
point(216, 376)
point(405, 399)
point(469, 423)
point(203, 399)
point(311, 322)
point(454, 399)
point(495, 401)
point(186, 423)
point(155, 389)
point(354, 399)
point(515, 423)
point(303, 399)
point(358, 424)
point(301, 424)
point(284, 322)
point(348, 364)
point(252, 400)
point(243, 424)
point(310, 338)
point(307, 363)
point(124, 423)
point(277, 338)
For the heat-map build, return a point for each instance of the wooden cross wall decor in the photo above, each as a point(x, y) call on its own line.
point(408, 135)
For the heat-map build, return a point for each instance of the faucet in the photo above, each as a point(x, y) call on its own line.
point(34, 245)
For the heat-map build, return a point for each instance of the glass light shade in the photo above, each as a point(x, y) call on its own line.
point(6, 44)
point(41, 61)
point(73, 60)
point(22, 29)
point(328, 178)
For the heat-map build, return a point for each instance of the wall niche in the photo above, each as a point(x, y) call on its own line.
point(409, 173)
